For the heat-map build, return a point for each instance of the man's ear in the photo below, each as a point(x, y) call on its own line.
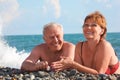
point(44, 38)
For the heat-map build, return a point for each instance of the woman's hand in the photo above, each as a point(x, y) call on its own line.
point(64, 63)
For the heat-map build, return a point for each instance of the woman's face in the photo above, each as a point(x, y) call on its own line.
point(92, 30)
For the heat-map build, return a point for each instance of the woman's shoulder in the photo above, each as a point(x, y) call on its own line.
point(105, 43)
point(80, 43)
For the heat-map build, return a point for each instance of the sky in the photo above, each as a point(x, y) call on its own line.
point(27, 17)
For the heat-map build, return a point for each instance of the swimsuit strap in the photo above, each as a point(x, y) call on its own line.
point(81, 53)
point(115, 53)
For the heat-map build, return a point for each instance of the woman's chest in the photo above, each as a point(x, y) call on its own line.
point(88, 58)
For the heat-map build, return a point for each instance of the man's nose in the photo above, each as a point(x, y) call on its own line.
point(56, 39)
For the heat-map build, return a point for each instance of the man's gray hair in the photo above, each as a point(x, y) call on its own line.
point(51, 25)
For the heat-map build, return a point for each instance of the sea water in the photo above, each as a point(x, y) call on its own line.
point(15, 48)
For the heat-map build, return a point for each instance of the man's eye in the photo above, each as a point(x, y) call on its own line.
point(50, 37)
point(85, 25)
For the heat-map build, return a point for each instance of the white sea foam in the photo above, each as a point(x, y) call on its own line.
point(9, 56)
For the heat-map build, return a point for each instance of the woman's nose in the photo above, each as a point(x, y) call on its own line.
point(89, 27)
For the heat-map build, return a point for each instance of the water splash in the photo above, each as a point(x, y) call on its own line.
point(9, 56)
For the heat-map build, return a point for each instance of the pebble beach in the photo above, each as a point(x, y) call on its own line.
point(7, 73)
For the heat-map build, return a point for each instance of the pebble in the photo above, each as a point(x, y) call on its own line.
point(48, 68)
point(7, 73)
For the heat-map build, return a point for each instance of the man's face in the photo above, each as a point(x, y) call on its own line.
point(54, 38)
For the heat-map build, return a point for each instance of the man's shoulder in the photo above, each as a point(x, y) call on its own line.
point(40, 46)
point(69, 43)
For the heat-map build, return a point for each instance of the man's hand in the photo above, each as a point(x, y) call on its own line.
point(42, 65)
point(64, 63)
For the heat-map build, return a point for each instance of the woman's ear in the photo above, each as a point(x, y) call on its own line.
point(102, 31)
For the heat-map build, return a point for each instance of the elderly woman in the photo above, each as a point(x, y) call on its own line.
point(95, 55)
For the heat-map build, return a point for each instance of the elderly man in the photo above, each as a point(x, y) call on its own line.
point(54, 50)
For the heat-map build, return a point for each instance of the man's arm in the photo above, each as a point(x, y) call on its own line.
point(28, 65)
point(32, 62)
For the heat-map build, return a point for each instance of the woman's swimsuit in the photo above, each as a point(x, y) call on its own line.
point(110, 70)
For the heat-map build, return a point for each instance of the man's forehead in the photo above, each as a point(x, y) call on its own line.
point(53, 27)
point(54, 30)
point(53, 33)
